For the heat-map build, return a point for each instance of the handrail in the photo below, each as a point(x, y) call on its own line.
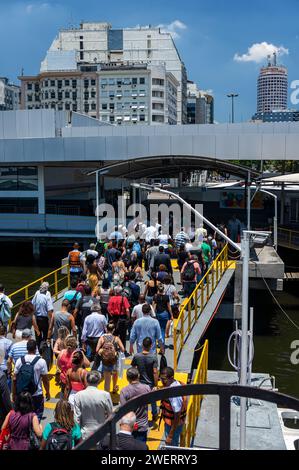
point(205, 289)
point(25, 295)
point(288, 238)
point(224, 391)
point(193, 409)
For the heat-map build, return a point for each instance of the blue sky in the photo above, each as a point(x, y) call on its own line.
point(209, 35)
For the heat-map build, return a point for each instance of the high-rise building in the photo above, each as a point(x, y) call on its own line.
point(79, 59)
point(277, 115)
point(9, 95)
point(200, 105)
point(272, 87)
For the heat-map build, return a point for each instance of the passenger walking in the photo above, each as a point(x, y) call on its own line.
point(92, 407)
point(5, 306)
point(173, 410)
point(146, 326)
point(42, 302)
point(5, 347)
point(23, 381)
point(108, 349)
point(63, 433)
point(21, 421)
point(76, 262)
point(93, 328)
point(163, 310)
point(75, 377)
point(62, 318)
point(133, 390)
point(23, 320)
point(125, 439)
point(119, 311)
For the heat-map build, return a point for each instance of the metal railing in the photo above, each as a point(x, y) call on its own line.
point(192, 307)
point(193, 409)
point(288, 238)
point(225, 393)
point(58, 281)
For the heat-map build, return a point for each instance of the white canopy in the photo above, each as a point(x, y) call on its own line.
point(292, 178)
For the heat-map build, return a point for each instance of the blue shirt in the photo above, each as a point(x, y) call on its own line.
point(5, 346)
point(18, 350)
point(42, 303)
point(143, 327)
point(94, 326)
point(70, 294)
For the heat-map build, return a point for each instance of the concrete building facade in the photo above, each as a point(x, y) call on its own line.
point(9, 95)
point(70, 74)
point(272, 87)
point(200, 105)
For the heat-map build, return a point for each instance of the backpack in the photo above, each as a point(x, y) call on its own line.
point(73, 303)
point(108, 352)
point(189, 272)
point(137, 247)
point(25, 376)
point(59, 438)
point(5, 312)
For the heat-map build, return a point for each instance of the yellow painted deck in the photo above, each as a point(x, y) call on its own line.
point(154, 436)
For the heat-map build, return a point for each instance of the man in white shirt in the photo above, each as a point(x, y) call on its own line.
point(150, 233)
point(40, 375)
point(42, 302)
point(5, 306)
point(93, 328)
point(92, 407)
point(137, 310)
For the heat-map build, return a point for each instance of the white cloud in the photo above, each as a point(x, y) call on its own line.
point(259, 52)
point(175, 28)
point(30, 8)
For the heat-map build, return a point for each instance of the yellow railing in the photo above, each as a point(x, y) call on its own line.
point(194, 403)
point(192, 307)
point(288, 238)
point(58, 281)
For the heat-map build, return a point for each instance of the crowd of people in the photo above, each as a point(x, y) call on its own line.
point(120, 304)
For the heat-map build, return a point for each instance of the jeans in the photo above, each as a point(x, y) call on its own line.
point(163, 318)
point(176, 435)
point(43, 326)
point(38, 405)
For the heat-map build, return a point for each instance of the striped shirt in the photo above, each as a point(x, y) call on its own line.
point(18, 350)
point(181, 238)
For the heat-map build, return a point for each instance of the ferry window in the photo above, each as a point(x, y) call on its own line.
point(18, 179)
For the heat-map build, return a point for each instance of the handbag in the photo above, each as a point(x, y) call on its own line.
point(34, 443)
point(4, 438)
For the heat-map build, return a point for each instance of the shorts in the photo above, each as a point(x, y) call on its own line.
point(102, 368)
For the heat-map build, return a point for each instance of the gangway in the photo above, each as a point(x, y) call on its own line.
point(198, 310)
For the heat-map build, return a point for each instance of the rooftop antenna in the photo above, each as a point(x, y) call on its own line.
point(274, 59)
point(269, 60)
point(22, 71)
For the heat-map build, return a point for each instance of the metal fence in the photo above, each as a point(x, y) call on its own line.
point(288, 238)
point(192, 307)
point(58, 281)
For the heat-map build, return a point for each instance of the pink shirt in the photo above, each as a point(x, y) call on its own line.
point(65, 363)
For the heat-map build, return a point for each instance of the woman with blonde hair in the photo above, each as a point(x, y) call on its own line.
point(64, 420)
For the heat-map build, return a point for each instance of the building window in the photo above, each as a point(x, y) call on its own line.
point(74, 83)
point(111, 118)
point(104, 118)
point(111, 81)
point(67, 94)
point(134, 81)
point(142, 117)
point(18, 178)
point(60, 95)
point(119, 82)
point(93, 82)
point(74, 95)
point(104, 93)
point(93, 94)
point(59, 83)
point(126, 81)
point(66, 82)
point(29, 97)
point(158, 81)
point(46, 82)
point(93, 106)
point(86, 83)
point(103, 81)
point(86, 95)
point(29, 86)
point(52, 94)
point(142, 80)
point(111, 94)
point(46, 95)
point(67, 106)
point(86, 107)
point(104, 106)
point(52, 82)
point(111, 105)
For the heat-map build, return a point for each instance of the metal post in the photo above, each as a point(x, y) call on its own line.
point(244, 341)
point(97, 205)
point(248, 200)
point(275, 216)
point(250, 344)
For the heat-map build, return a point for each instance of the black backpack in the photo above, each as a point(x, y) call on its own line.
point(59, 438)
point(73, 303)
point(25, 377)
point(189, 272)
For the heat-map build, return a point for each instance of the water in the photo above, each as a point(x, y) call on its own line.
point(273, 332)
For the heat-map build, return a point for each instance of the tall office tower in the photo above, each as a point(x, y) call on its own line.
point(9, 95)
point(272, 87)
point(80, 58)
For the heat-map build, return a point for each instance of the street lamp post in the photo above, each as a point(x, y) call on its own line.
point(244, 251)
point(232, 96)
